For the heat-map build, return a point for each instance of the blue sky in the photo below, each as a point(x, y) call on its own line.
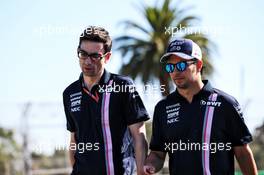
point(38, 41)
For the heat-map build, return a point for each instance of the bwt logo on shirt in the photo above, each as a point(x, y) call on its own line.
point(211, 103)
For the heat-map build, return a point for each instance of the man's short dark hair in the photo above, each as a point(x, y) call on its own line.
point(97, 34)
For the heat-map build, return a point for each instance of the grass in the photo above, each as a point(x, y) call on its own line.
point(260, 172)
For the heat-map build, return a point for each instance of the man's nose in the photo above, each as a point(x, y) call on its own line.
point(88, 61)
point(176, 72)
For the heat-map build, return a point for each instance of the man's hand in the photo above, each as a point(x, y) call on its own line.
point(154, 162)
point(149, 169)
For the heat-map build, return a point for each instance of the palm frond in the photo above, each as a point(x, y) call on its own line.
point(141, 54)
point(130, 24)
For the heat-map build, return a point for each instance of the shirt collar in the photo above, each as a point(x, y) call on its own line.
point(207, 88)
point(103, 80)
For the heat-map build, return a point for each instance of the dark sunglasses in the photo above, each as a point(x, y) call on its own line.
point(180, 66)
point(94, 56)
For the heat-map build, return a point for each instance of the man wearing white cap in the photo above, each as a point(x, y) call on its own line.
point(200, 127)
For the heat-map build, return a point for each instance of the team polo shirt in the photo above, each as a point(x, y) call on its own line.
point(199, 136)
point(100, 119)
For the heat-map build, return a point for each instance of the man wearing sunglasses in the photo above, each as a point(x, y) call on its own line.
point(105, 118)
point(200, 127)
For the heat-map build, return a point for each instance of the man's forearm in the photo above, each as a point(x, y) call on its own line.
point(247, 165)
point(71, 156)
point(141, 149)
point(246, 160)
point(72, 151)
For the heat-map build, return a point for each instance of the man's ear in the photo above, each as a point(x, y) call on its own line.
point(107, 57)
point(199, 65)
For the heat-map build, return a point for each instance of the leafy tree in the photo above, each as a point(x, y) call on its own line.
point(142, 53)
point(8, 151)
point(258, 146)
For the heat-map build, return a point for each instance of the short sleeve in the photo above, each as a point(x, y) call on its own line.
point(134, 108)
point(157, 141)
point(69, 121)
point(236, 127)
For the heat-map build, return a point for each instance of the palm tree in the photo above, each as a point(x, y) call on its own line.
point(143, 52)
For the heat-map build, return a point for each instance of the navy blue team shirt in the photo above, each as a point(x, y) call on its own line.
point(197, 144)
point(100, 119)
